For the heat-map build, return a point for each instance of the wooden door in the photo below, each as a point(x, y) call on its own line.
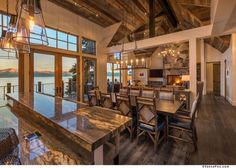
point(216, 78)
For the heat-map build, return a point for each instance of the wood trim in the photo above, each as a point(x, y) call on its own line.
point(58, 75)
point(21, 77)
point(78, 80)
point(31, 72)
point(95, 74)
point(53, 51)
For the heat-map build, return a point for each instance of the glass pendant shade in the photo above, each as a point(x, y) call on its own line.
point(7, 44)
point(23, 47)
point(7, 50)
point(30, 24)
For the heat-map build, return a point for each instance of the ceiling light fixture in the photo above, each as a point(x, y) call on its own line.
point(30, 25)
point(6, 43)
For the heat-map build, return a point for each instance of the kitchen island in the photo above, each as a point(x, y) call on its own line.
point(85, 130)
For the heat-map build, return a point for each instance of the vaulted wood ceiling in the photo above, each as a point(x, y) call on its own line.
point(167, 16)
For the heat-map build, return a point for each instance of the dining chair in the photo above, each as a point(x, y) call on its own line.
point(200, 86)
point(94, 97)
point(106, 100)
point(166, 95)
point(124, 106)
point(149, 122)
point(133, 93)
point(150, 93)
point(123, 91)
point(186, 125)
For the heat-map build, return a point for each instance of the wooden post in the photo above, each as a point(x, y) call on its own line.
point(8, 87)
point(151, 18)
point(39, 87)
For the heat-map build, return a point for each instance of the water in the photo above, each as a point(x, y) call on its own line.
point(48, 83)
point(44, 80)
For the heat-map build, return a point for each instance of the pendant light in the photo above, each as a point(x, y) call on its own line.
point(21, 47)
point(7, 43)
point(8, 50)
point(30, 24)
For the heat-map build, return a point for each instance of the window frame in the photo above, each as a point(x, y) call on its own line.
point(57, 40)
point(95, 46)
point(2, 27)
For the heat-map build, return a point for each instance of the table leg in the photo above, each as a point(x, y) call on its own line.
point(116, 160)
point(117, 143)
point(98, 156)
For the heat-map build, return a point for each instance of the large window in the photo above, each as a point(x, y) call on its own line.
point(88, 46)
point(62, 40)
point(44, 73)
point(3, 22)
point(8, 67)
point(117, 73)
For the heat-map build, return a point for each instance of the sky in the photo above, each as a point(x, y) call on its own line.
point(45, 62)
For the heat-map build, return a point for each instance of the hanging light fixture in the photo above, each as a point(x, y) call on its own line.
point(30, 24)
point(8, 49)
point(6, 43)
point(21, 47)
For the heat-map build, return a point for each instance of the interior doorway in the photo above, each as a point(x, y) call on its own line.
point(213, 83)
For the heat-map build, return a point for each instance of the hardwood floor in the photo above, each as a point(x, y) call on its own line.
point(216, 127)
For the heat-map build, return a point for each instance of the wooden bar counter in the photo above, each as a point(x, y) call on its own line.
point(86, 130)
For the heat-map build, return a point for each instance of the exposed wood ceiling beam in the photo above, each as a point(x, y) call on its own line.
point(133, 10)
point(200, 3)
point(140, 6)
point(102, 11)
point(188, 20)
point(151, 18)
point(220, 43)
point(168, 11)
point(101, 20)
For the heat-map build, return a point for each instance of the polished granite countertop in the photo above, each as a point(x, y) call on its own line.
point(44, 150)
point(88, 126)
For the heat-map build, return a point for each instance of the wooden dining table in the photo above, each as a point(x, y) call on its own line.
point(85, 129)
point(168, 108)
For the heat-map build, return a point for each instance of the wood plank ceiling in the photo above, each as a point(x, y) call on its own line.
point(168, 16)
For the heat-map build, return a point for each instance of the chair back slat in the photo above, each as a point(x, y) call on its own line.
point(113, 97)
point(92, 98)
point(148, 93)
point(166, 95)
point(106, 100)
point(133, 94)
point(123, 104)
point(123, 91)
